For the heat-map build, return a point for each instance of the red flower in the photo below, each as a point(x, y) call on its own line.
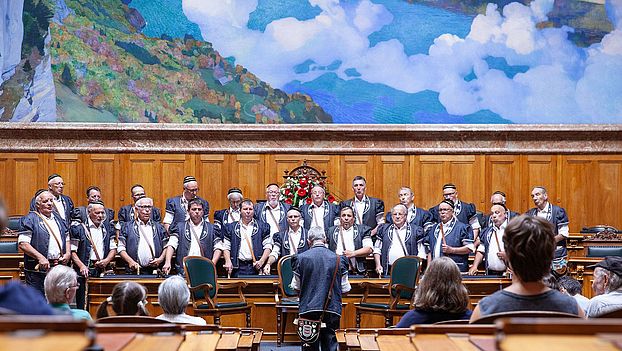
point(289, 201)
point(309, 201)
point(302, 192)
point(287, 191)
point(330, 198)
point(303, 181)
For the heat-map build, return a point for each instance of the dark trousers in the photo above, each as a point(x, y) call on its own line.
point(35, 279)
point(81, 292)
point(327, 340)
point(244, 268)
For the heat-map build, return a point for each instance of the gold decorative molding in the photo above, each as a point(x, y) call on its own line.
point(311, 138)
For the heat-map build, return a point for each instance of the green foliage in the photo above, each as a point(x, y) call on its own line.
point(140, 53)
point(36, 18)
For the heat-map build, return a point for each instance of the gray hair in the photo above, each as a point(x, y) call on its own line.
point(399, 205)
point(90, 206)
point(539, 187)
point(174, 295)
point(615, 282)
point(143, 199)
point(316, 234)
point(57, 281)
point(40, 196)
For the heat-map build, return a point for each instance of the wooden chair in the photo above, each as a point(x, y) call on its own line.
point(131, 320)
point(559, 326)
point(404, 276)
point(13, 224)
point(491, 318)
point(140, 328)
point(204, 287)
point(43, 333)
point(285, 297)
point(486, 329)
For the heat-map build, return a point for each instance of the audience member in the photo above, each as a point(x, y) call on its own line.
point(529, 245)
point(314, 272)
point(572, 287)
point(607, 286)
point(173, 297)
point(550, 281)
point(440, 296)
point(19, 298)
point(128, 299)
point(61, 284)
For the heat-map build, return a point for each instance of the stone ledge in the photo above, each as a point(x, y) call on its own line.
point(310, 138)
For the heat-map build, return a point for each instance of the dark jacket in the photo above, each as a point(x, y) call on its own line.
point(262, 216)
point(422, 218)
point(207, 239)
point(82, 213)
point(174, 207)
point(414, 235)
point(558, 218)
point(467, 211)
point(261, 231)
point(130, 236)
point(281, 240)
point(373, 207)
point(221, 218)
point(360, 232)
point(41, 236)
point(67, 203)
point(79, 238)
point(315, 268)
point(331, 211)
point(460, 235)
point(126, 214)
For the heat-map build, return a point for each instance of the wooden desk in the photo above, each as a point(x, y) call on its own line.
point(260, 292)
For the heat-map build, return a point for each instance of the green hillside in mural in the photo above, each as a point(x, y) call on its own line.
point(106, 70)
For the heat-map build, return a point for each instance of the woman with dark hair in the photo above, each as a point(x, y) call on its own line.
point(127, 299)
point(529, 247)
point(440, 296)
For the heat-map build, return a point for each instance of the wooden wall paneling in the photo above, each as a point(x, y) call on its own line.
point(467, 173)
point(430, 180)
point(276, 165)
point(102, 170)
point(392, 172)
point(28, 172)
point(173, 169)
point(503, 174)
point(350, 167)
point(144, 170)
point(607, 201)
point(577, 173)
point(69, 167)
point(213, 170)
point(7, 181)
point(538, 170)
point(248, 170)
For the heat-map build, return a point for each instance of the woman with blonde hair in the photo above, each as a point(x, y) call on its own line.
point(127, 299)
point(440, 296)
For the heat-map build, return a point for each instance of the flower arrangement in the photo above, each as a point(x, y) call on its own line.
point(296, 191)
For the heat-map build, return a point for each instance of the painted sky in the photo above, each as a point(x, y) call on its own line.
point(501, 64)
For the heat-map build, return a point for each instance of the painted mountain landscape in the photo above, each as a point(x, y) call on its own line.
point(311, 61)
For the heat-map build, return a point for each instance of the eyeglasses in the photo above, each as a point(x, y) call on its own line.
point(145, 207)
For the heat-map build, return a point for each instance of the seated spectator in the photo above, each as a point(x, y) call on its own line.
point(607, 286)
point(128, 299)
point(173, 296)
point(60, 285)
point(440, 296)
point(19, 298)
point(550, 281)
point(529, 245)
point(572, 287)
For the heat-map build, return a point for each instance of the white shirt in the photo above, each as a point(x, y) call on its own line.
point(348, 237)
point(318, 215)
point(396, 251)
point(276, 212)
point(494, 262)
point(234, 215)
point(182, 319)
point(545, 213)
point(97, 236)
point(58, 203)
point(359, 208)
point(293, 241)
point(195, 249)
point(54, 252)
point(145, 233)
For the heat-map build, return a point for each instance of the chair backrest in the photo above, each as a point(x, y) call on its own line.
point(8, 247)
point(454, 328)
point(60, 323)
point(405, 271)
point(286, 273)
point(138, 328)
point(604, 251)
point(453, 322)
point(489, 319)
point(14, 223)
point(200, 270)
point(131, 319)
point(612, 314)
point(560, 326)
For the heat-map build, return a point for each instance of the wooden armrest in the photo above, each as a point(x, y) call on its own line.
point(232, 285)
point(204, 286)
point(402, 287)
point(367, 285)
